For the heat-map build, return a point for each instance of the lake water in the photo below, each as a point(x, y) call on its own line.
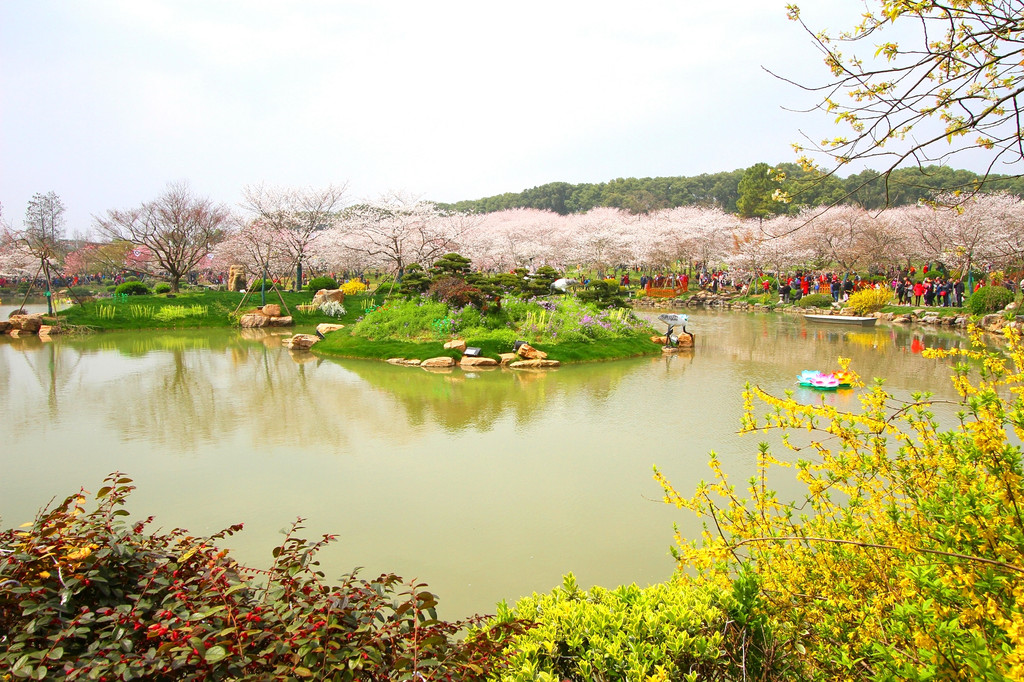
point(486, 485)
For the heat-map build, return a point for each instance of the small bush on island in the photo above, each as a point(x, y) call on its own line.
point(816, 301)
point(604, 294)
point(455, 292)
point(989, 299)
point(88, 594)
point(318, 283)
point(132, 288)
point(161, 288)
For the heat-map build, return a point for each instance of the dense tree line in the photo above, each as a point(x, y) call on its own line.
point(868, 189)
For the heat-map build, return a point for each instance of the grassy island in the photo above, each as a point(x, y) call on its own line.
point(187, 310)
point(413, 320)
point(567, 329)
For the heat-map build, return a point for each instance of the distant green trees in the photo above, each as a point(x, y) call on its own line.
point(761, 192)
point(867, 189)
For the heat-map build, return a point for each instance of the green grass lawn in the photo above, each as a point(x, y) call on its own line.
point(194, 310)
point(343, 344)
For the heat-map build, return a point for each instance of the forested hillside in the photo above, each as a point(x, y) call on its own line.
point(746, 191)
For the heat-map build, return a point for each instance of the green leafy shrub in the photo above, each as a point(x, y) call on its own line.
point(867, 301)
point(318, 283)
point(451, 265)
point(161, 288)
point(88, 595)
point(603, 293)
point(816, 301)
point(257, 285)
point(111, 288)
point(670, 631)
point(989, 299)
point(456, 292)
point(131, 288)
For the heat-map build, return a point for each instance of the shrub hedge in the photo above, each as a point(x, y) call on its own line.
point(318, 283)
point(816, 301)
point(132, 289)
point(989, 299)
point(89, 595)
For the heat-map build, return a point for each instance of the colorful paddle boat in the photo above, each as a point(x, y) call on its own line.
point(821, 381)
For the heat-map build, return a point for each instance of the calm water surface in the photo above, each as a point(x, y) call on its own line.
point(486, 485)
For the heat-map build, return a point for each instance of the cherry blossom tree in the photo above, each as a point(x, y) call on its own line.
point(921, 241)
point(767, 246)
point(834, 237)
point(177, 231)
point(971, 233)
point(1008, 241)
point(513, 238)
point(596, 239)
point(15, 259)
point(295, 218)
point(708, 233)
point(883, 242)
point(106, 257)
point(397, 230)
point(255, 245)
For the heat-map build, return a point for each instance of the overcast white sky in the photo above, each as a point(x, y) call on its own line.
point(106, 101)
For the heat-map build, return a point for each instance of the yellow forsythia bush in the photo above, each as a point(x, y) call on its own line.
point(867, 301)
point(905, 558)
point(353, 286)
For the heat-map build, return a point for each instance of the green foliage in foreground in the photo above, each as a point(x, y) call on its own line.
point(88, 595)
point(989, 299)
point(904, 557)
point(669, 631)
